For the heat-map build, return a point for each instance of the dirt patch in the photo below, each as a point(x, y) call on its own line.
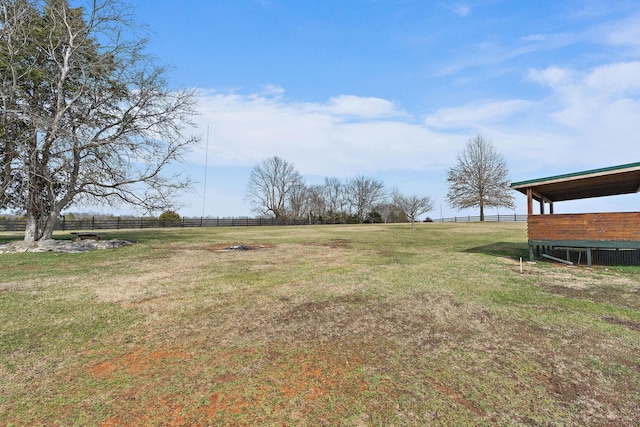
point(456, 397)
point(562, 388)
point(340, 243)
point(635, 326)
point(230, 247)
point(137, 362)
point(284, 384)
point(333, 243)
point(597, 294)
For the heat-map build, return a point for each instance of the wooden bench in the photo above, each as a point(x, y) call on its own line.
point(85, 236)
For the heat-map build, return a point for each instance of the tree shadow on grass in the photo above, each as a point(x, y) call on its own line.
point(501, 249)
point(8, 237)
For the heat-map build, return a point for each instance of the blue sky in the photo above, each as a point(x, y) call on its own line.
point(393, 89)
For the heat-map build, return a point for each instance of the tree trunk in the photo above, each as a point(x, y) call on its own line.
point(39, 228)
point(31, 229)
point(481, 212)
point(47, 230)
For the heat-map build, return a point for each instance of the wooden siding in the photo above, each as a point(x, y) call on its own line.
point(618, 226)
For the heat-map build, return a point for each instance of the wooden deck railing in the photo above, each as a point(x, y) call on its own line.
point(616, 226)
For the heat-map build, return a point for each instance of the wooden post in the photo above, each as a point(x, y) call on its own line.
point(529, 201)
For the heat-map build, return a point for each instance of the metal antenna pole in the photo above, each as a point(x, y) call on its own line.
point(206, 166)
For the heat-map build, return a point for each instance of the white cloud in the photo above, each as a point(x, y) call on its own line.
point(623, 33)
point(603, 101)
point(363, 108)
point(462, 10)
point(470, 116)
point(613, 80)
point(316, 137)
point(485, 53)
point(551, 76)
point(534, 38)
point(598, 111)
point(271, 90)
point(589, 119)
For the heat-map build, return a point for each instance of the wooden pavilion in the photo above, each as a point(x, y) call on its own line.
point(617, 230)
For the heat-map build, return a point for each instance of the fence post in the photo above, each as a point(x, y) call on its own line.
point(93, 222)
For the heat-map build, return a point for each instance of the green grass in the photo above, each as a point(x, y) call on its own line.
point(328, 325)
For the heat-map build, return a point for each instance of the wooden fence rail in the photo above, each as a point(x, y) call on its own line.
point(487, 218)
point(93, 223)
point(129, 223)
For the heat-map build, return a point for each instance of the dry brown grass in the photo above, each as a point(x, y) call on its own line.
point(358, 326)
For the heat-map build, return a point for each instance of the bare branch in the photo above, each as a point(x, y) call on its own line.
point(362, 194)
point(271, 185)
point(413, 206)
point(87, 117)
point(479, 178)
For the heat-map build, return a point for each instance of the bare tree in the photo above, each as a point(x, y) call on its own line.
point(86, 116)
point(363, 194)
point(413, 206)
point(270, 185)
point(479, 178)
point(334, 197)
point(316, 201)
point(297, 203)
point(390, 213)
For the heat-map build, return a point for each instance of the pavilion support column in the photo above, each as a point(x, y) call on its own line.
point(551, 208)
point(529, 213)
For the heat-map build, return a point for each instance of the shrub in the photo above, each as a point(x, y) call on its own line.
point(373, 217)
point(169, 218)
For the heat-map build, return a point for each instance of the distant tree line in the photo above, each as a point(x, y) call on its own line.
point(478, 179)
point(276, 189)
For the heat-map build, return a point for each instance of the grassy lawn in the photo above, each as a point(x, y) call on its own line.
point(327, 325)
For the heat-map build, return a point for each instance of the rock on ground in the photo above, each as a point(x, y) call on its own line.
point(62, 245)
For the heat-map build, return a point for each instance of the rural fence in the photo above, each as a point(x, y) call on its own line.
point(98, 223)
point(488, 218)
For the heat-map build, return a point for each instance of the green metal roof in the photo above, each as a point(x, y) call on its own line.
point(576, 174)
point(609, 181)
